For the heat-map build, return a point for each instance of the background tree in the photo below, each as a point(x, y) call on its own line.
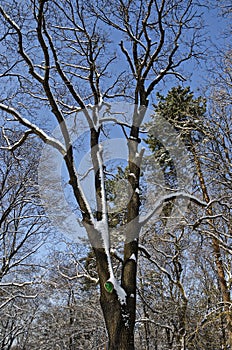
point(188, 115)
point(68, 313)
point(22, 233)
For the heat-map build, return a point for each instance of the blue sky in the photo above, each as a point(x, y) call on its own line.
point(216, 25)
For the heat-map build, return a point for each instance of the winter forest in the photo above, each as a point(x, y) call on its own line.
point(115, 175)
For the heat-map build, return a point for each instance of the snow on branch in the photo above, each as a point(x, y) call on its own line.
point(15, 284)
point(16, 144)
point(102, 227)
point(85, 274)
point(17, 296)
point(170, 197)
point(145, 319)
point(33, 129)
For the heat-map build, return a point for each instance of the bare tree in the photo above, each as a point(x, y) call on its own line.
point(21, 221)
point(58, 58)
point(220, 152)
point(22, 233)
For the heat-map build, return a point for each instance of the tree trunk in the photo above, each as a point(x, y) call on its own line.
point(119, 324)
point(119, 317)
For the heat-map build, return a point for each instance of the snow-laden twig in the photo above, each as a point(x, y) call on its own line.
point(79, 275)
point(114, 120)
point(208, 217)
point(145, 319)
point(18, 143)
point(17, 296)
point(15, 284)
point(83, 176)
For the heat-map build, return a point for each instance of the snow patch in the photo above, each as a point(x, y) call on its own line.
point(133, 257)
point(133, 175)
